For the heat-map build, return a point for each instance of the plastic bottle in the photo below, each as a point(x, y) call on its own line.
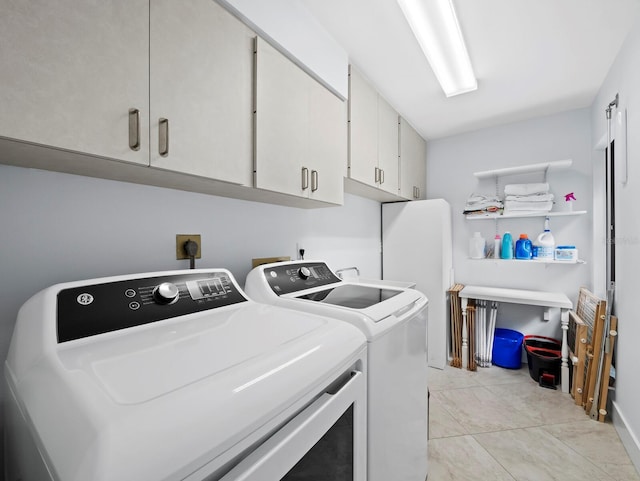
point(545, 243)
point(524, 247)
point(507, 246)
point(476, 246)
point(497, 245)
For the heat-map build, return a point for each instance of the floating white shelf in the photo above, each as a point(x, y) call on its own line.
point(516, 215)
point(529, 261)
point(525, 169)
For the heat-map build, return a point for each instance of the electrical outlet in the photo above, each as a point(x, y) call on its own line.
point(181, 239)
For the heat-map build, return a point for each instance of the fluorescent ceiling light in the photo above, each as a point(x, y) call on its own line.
point(435, 25)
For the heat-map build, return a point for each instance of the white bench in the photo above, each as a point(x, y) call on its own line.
point(520, 296)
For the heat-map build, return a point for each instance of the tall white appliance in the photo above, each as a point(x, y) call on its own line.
point(417, 247)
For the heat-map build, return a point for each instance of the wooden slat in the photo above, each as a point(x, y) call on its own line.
point(471, 336)
point(456, 325)
point(578, 350)
point(606, 368)
point(592, 311)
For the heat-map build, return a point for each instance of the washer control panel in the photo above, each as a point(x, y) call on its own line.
point(287, 278)
point(96, 309)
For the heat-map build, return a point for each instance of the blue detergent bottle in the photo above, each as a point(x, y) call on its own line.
point(524, 247)
point(507, 246)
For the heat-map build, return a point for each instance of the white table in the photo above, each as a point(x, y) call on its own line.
point(519, 296)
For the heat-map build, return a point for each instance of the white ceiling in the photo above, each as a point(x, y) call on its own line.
point(531, 58)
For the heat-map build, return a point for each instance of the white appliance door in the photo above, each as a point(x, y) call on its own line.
point(417, 247)
point(281, 457)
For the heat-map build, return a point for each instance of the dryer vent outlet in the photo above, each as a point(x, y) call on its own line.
point(181, 240)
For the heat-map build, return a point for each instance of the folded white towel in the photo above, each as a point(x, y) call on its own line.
point(530, 198)
point(481, 198)
point(526, 189)
point(477, 202)
point(531, 206)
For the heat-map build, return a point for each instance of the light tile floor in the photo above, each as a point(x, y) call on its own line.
point(498, 424)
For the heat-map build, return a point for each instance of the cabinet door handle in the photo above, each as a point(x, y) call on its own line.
point(305, 178)
point(314, 180)
point(377, 176)
point(381, 176)
point(134, 129)
point(163, 137)
point(417, 192)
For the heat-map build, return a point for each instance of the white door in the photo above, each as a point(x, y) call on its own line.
point(388, 147)
point(417, 247)
point(72, 72)
point(363, 130)
point(202, 84)
point(282, 123)
point(327, 151)
point(413, 159)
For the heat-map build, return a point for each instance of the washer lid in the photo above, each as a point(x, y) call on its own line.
point(162, 400)
point(351, 295)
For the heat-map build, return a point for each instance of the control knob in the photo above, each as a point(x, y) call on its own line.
point(166, 293)
point(304, 273)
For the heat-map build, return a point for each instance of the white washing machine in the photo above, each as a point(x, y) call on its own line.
point(178, 376)
point(394, 319)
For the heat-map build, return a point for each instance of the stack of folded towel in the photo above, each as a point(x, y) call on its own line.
point(482, 203)
point(528, 197)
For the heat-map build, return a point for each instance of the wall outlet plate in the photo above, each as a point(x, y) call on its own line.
point(181, 239)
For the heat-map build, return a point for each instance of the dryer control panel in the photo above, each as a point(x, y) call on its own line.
point(286, 278)
point(110, 306)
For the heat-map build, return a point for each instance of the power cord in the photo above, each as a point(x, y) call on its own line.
point(191, 249)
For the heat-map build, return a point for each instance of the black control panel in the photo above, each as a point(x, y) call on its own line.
point(287, 278)
point(95, 309)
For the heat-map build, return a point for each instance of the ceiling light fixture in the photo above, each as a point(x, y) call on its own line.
point(435, 25)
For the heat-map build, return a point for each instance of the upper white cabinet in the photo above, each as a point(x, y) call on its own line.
point(327, 152)
point(75, 75)
point(300, 131)
point(168, 90)
point(363, 130)
point(91, 77)
point(388, 179)
point(201, 91)
point(413, 163)
point(373, 138)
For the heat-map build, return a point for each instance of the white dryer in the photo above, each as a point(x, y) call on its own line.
point(394, 319)
point(178, 376)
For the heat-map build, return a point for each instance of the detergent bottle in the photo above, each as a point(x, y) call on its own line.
point(507, 246)
point(476, 246)
point(545, 243)
point(524, 248)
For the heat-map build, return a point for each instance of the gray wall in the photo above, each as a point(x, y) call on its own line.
point(451, 164)
point(624, 79)
point(58, 227)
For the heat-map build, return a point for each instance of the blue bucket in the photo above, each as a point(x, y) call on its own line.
point(507, 348)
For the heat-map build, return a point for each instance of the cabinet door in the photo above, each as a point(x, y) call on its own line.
point(363, 130)
point(388, 147)
point(413, 163)
point(202, 83)
point(71, 71)
point(282, 123)
point(327, 152)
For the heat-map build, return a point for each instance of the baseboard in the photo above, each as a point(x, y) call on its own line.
point(627, 437)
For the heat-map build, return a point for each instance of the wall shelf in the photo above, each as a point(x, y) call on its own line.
point(516, 215)
point(528, 261)
point(525, 169)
